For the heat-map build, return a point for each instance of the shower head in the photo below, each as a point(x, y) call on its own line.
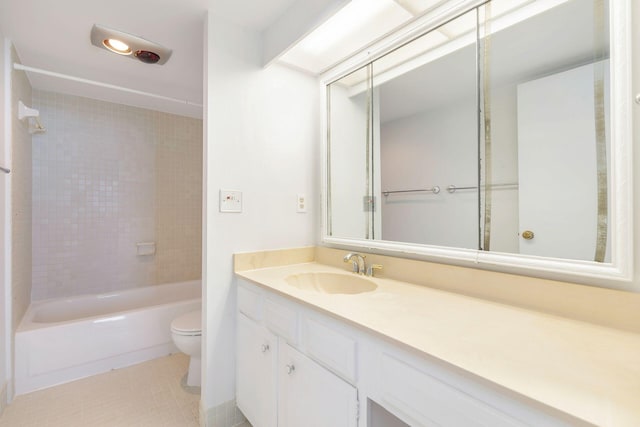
point(32, 116)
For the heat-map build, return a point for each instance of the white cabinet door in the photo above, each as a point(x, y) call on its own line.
point(256, 373)
point(310, 395)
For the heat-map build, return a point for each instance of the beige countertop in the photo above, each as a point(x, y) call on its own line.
point(585, 370)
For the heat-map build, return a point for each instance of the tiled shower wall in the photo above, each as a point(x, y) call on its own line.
point(179, 199)
point(21, 209)
point(105, 177)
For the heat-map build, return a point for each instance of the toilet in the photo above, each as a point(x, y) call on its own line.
point(186, 331)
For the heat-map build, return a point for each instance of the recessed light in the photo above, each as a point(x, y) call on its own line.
point(117, 46)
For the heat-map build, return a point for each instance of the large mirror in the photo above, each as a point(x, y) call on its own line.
point(490, 133)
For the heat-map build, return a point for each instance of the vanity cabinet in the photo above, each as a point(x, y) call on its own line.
point(257, 361)
point(277, 385)
point(311, 396)
point(301, 367)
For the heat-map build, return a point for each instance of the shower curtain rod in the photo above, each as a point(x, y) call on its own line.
point(101, 84)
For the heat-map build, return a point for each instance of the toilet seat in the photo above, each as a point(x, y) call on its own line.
point(189, 324)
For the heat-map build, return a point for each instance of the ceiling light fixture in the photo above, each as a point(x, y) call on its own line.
point(129, 45)
point(343, 24)
point(117, 46)
point(354, 26)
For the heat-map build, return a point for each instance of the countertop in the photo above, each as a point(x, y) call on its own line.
point(588, 371)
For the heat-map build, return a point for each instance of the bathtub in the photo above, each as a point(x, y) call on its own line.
point(64, 339)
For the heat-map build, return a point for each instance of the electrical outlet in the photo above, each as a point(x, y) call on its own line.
point(302, 204)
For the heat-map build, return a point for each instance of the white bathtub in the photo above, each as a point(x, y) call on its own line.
point(63, 339)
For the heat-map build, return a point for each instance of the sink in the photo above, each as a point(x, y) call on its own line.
point(331, 283)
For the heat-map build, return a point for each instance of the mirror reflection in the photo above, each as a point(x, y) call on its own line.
point(429, 138)
point(490, 132)
point(350, 156)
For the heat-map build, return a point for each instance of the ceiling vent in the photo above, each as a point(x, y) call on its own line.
point(129, 45)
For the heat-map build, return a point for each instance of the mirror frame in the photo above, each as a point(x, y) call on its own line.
point(618, 273)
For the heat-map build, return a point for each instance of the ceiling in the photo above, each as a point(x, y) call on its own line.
point(518, 53)
point(54, 36)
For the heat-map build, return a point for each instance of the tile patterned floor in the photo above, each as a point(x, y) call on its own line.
point(148, 394)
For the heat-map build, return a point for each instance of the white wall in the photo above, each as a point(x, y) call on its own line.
point(635, 65)
point(262, 133)
point(5, 333)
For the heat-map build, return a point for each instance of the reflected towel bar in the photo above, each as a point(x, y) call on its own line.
point(5, 170)
point(434, 190)
point(452, 188)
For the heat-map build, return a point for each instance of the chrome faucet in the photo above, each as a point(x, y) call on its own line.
point(359, 266)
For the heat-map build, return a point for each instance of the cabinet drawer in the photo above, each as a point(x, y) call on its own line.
point(426, 400)
point(281, 320)
point(250, 303)
point(330, 347)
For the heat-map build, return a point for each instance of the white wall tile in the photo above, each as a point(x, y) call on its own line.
point(21, 207)
point(106, 176)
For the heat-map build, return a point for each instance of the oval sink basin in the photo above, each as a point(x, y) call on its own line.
point(331, 283)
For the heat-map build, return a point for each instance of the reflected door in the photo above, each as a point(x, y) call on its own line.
point(558, 165)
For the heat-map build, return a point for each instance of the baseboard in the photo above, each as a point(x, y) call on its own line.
point(3, 396)
point(224, 415)
point(203, 415)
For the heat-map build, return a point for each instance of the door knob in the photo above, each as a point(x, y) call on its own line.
point(527, 234)
point(290, 369)
point(264, 348)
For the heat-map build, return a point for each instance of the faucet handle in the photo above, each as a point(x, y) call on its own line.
point(373, 267)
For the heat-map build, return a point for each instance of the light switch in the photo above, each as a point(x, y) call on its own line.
point(230, 201)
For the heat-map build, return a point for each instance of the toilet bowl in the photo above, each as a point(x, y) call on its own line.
point(186, 331)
